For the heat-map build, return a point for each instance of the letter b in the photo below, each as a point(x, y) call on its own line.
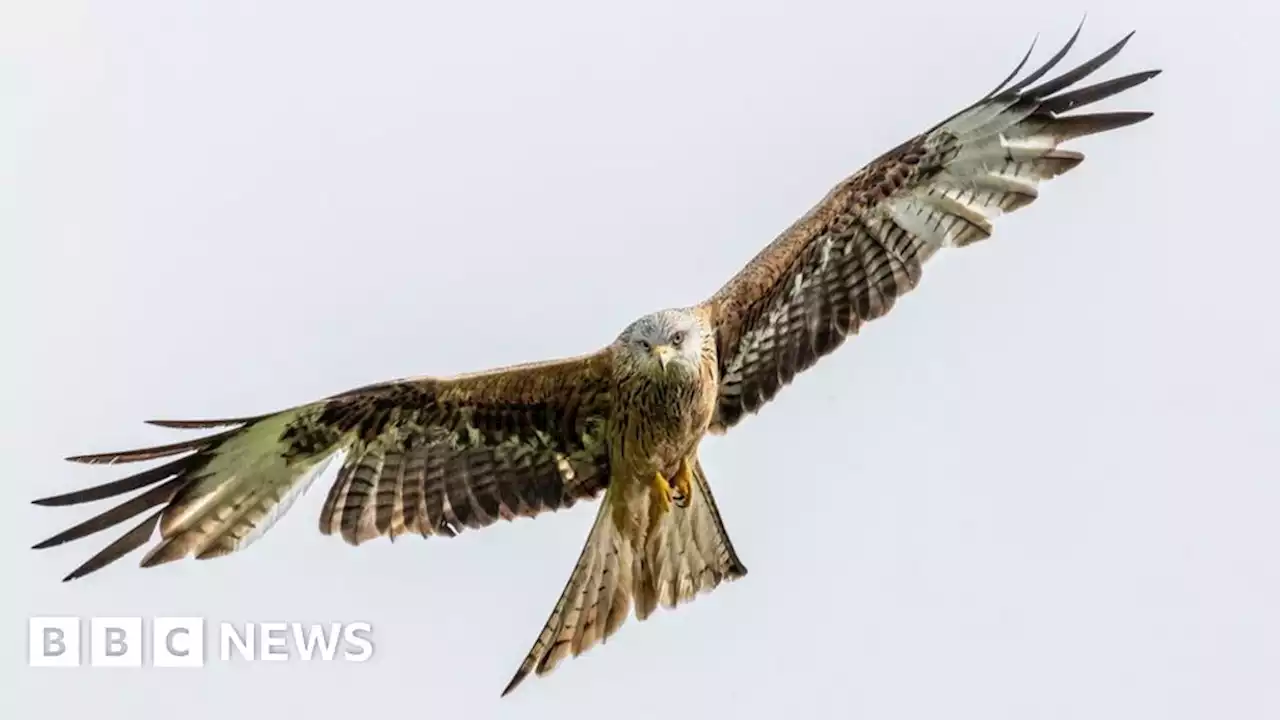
point(53, 642)
point(115, 642)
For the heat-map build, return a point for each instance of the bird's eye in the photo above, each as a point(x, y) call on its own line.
point(677, 339)
point(644, 344)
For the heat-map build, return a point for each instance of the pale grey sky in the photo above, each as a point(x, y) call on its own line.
point(1044, 486)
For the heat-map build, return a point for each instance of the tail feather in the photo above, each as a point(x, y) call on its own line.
point(696, 557)
point(689, 553)
point(220, 498)
point(601, 575)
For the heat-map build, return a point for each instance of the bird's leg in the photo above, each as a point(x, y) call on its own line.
point(682, 484)
point(660, 493)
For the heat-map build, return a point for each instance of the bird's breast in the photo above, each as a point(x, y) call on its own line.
point(658, 423)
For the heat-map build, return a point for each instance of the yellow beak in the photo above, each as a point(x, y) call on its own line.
point(664, 354)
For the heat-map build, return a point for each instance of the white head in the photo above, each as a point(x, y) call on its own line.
point(668, 342)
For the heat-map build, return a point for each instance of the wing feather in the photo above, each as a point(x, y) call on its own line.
point(492, 446)
point(850, 258)
point(424, 455)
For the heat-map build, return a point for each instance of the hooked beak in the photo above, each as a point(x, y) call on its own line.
point(664, 354)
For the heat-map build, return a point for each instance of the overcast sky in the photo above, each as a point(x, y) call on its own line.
point(1044, 486)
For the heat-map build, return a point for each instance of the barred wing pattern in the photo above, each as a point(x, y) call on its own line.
point(424, 481)
point(531, 442)
point(425, 455)
point(862, 247)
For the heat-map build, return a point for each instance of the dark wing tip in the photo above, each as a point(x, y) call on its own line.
point(123, 545)
point(151, 453)
point(201, 424)
point(1076, 74)
point(1088, 95)
point(96, 459)
point(158, 495)
point(1048, 65)
point(121, 486)
point(111, 458)
point(1017, 69)
point(75, 497)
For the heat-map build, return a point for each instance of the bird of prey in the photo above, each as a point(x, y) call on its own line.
point(437, 455)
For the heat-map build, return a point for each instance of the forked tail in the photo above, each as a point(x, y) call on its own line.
point(689, 553)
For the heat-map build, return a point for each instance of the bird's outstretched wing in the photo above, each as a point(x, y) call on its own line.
point(863, 246)
point(689, 553)
point(425, 455)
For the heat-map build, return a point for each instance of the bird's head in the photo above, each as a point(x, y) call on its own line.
point(668, 342)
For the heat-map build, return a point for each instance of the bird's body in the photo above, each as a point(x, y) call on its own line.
point(665, 395)
point(435, 456)
point(664, 387)
point(664, 384)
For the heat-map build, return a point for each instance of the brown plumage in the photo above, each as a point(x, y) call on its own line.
point(434, 456)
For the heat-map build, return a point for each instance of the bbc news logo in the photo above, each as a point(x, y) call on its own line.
point(180, 642)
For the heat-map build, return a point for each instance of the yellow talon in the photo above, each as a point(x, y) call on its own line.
point(660, 491)
point(683, 484)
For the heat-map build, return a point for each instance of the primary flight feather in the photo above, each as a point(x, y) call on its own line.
point(435, 456)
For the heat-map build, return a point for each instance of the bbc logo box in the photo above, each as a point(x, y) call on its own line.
point(115, 642)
